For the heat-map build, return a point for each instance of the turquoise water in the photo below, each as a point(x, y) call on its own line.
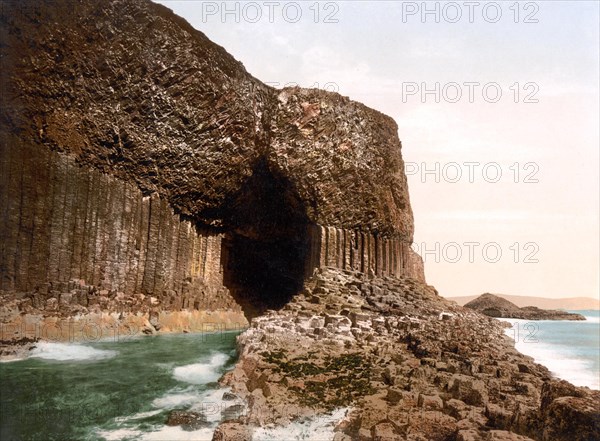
point(570, 349)
point(125, 391)
point(114, 390)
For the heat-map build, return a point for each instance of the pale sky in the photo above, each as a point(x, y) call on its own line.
point(379, 52)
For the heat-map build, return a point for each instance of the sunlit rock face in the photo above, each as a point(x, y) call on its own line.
point(138, 157)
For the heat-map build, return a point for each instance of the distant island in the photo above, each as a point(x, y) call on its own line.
point(567, 303)
point(495, 306)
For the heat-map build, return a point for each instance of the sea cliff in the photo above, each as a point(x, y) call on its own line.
point(149, 183)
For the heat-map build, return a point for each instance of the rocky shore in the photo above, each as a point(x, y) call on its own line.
point(494, 306)
point(16, 349)
point(403, 362)
point(409, 364)
point(77, 312)
point(149, 183)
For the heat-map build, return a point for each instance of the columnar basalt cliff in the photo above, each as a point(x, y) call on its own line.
point(140, 158)
point(149, 183)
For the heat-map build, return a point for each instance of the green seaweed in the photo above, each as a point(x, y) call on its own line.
point(349, 377)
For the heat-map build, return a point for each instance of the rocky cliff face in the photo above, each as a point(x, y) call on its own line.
point(149, 183)
point(140, 158)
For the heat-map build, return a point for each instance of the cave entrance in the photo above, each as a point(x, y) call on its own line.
point(267, 244)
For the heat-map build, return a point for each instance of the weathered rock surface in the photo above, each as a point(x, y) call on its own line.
point(231, 431)
point(495, 306)
point(188, 421)
point(148, 181)
point(128, 87)
point(140, 158)
point(16, 348)
point(411, 365)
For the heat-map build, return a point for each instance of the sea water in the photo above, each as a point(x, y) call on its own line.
point(114, 390)
point(569, 349)
point(125, 391)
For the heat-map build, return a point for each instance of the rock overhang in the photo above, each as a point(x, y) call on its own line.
point(145, 97)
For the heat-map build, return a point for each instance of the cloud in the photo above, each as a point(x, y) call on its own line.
point(322, 64)
point(436, 48)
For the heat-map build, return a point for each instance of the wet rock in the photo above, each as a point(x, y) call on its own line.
point(233, 412)
point(232, 431)
point(148, 329)
point(15, 349)
point(228, 396)
point(189, 421)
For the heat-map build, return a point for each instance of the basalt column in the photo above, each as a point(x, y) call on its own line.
point(141, 164)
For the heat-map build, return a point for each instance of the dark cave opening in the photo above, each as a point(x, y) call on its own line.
point(267, 243)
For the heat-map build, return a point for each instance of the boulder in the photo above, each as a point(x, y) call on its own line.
point(572, 419)
point(188, 421)
point(232, 431)
point(468, 389)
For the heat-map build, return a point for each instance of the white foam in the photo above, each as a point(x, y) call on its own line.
point(69, 352)
point(179, 398)
point(137, 416)
point(210, 402)
point(176, 399)
point(10, 360)
point(577, 371)
point(215, 395)
point(201, 373)
point(176, 433)
point(119, 434)
point(318, 428)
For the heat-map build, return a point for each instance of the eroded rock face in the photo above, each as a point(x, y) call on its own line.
point(133, 90)
point(141, 158)
point(189, 421)
point(130, 88)
point(336, 149)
